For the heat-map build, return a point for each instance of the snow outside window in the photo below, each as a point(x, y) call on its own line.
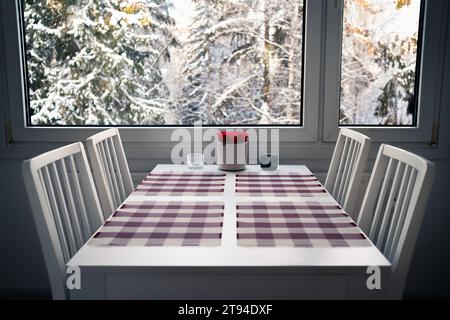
point(379, 71)
point(164, 62)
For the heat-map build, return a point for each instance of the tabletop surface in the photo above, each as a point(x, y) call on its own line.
point(228, 254)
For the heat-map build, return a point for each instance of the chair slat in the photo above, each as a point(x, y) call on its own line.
point(50, 194)
point(366, 215)
point(91, 198)
point(80, 199)
point(386, 219)
point(382, 196)
point(123, 164)
point(110, 170)
point(398, 207)
point(115, 187)
point(350, 171)
point(107, 172)
point(71, 205)
point(64, 214)
point(403, 212)
point(120, 183)
point(341, 167)
point(345, 171)
point(334, 165)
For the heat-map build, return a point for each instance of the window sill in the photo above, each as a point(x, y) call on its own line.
point(290, 152)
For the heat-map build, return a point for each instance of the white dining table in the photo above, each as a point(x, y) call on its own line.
point(228, 271)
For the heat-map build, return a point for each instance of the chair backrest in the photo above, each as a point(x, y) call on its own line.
point(393, 207)
point(109, 165)
point(65, 207)
point(346, 170)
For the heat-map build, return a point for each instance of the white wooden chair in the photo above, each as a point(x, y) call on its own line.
point(346, 169)
point(393, 207)
point(109, 165)
point(65, 207)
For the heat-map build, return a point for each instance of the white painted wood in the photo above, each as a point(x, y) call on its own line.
point(56, 194)
point(232, 286)
point(111, 173)
point(264, 283)
point(394, 224)
point(391, 201)
point(380, 202)
point(229, 257)
point(347, 168)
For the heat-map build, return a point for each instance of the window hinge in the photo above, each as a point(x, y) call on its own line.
point(435, 134)
point(8, 129)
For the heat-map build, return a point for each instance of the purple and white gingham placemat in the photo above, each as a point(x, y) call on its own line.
point(296, 224)
point(182, 184)
point(163, 223)
point(279, 185)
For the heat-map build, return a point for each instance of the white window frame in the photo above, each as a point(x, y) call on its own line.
point(308, 132)
point(313, 141)
point(433, 48)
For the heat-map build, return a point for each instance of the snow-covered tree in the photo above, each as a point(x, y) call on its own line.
point(379, 61)
point(200, 67)
point(244, 62)
point(117, 62)
point(97, 61)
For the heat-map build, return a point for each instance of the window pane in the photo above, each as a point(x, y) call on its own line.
point(379, 62)
point(164, 62)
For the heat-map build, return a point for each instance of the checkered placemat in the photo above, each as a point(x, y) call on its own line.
point(278, 185)
point(163, 223)
point(182, 184)
point(299, 224)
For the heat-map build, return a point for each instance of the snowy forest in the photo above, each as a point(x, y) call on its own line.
point(221, 62)
point(379, 53)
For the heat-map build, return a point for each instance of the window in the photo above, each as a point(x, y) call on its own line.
point(178, 87)
point(163, 62)
point(383, 62)
point(379, 70)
